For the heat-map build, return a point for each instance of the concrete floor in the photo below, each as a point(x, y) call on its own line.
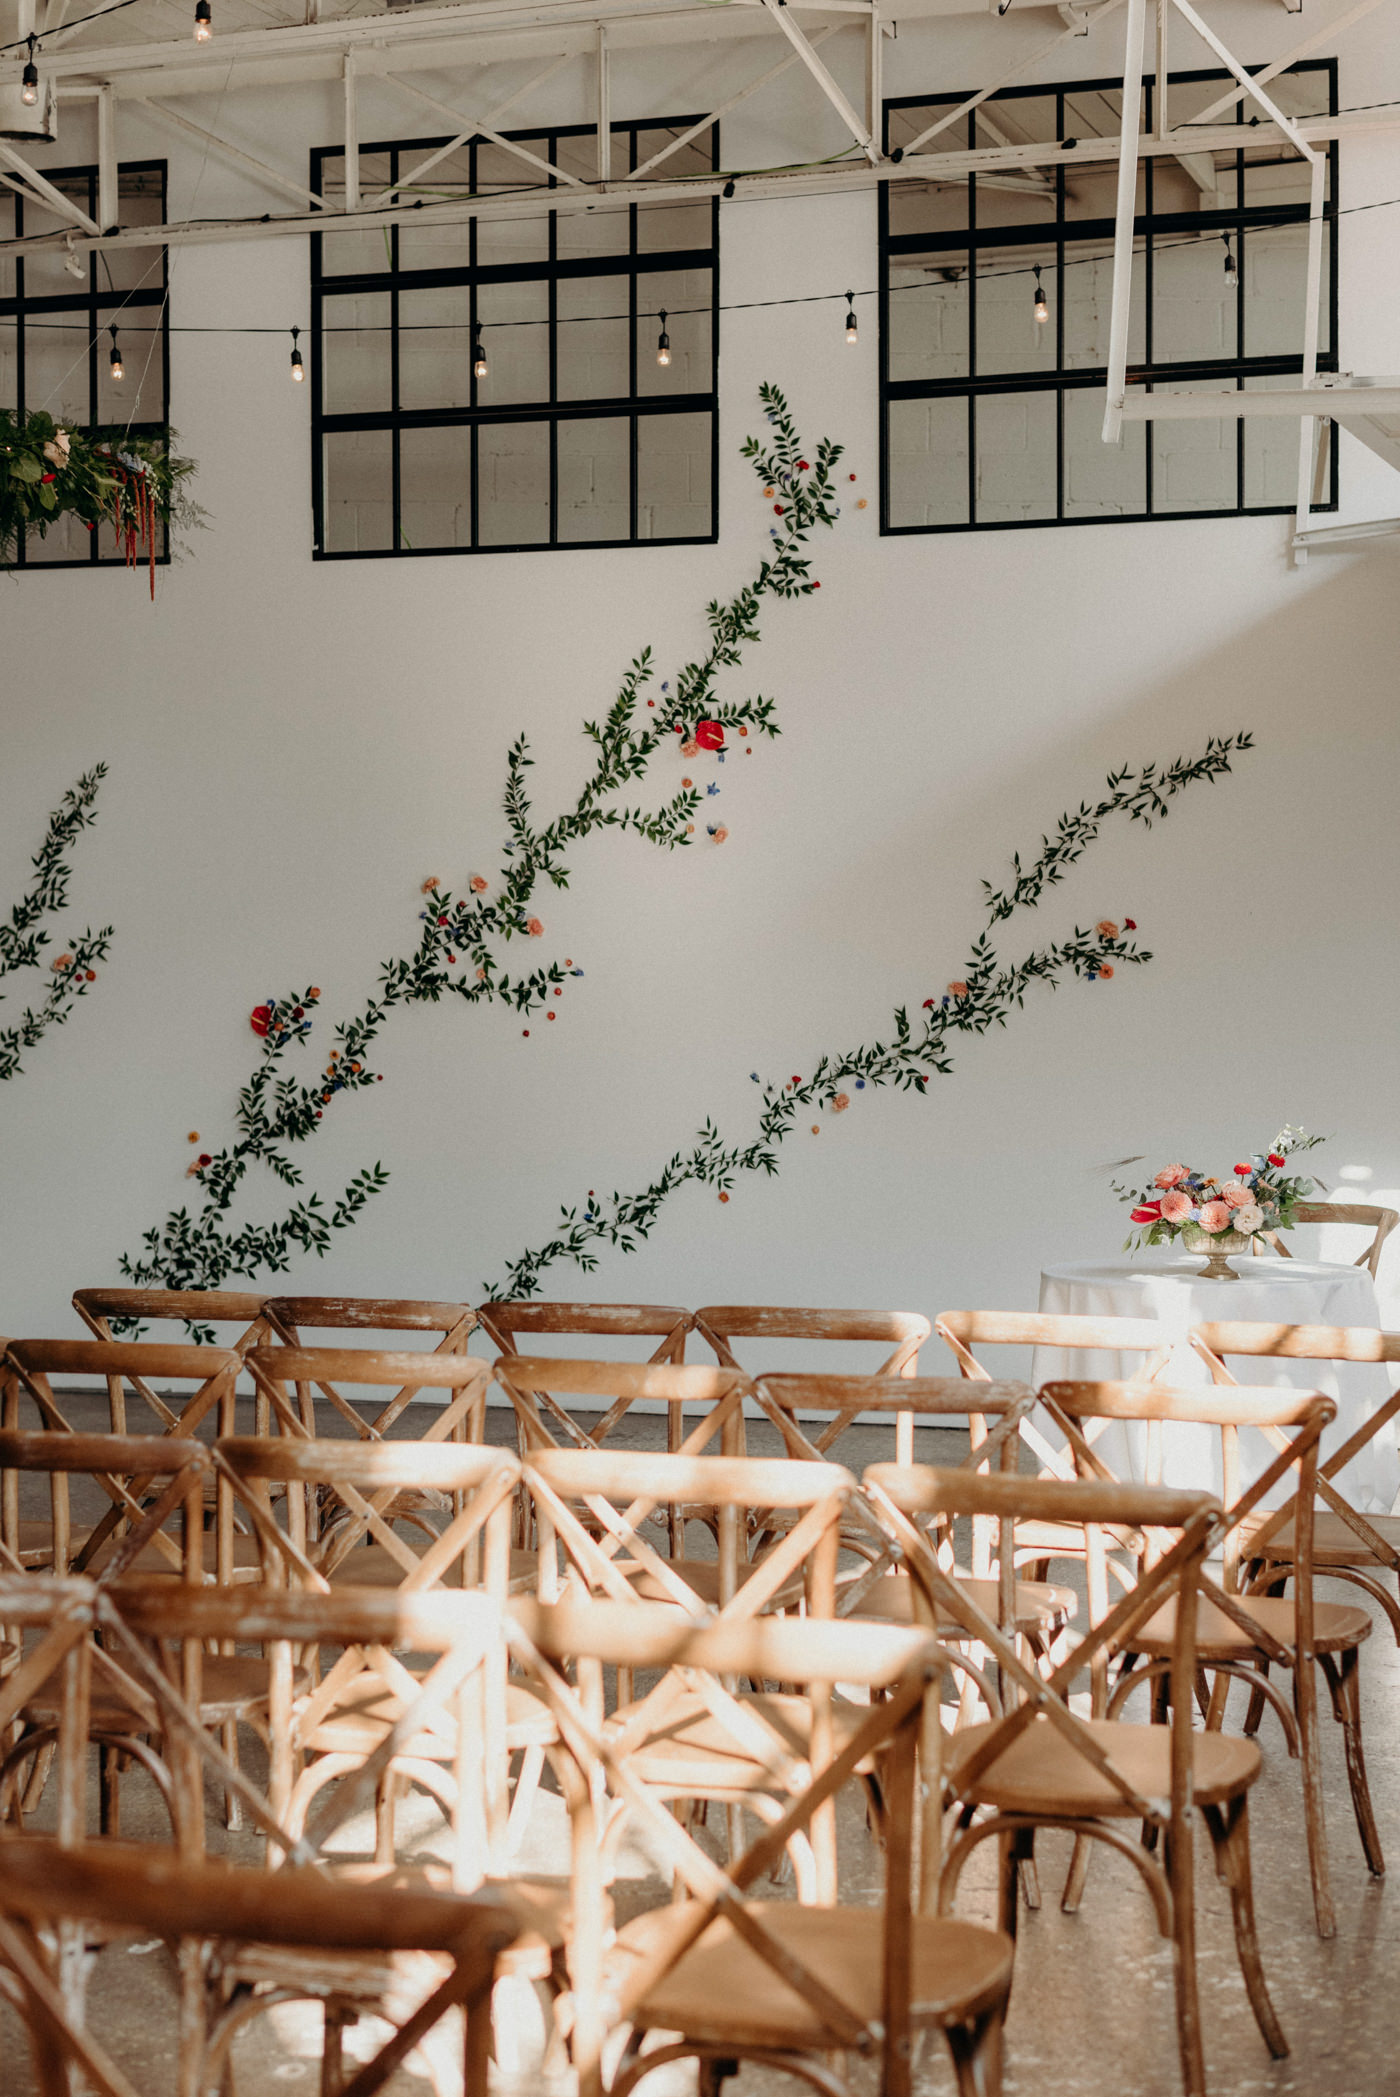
point(1092, 2005)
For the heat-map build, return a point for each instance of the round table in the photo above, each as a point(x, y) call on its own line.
point(1270, 1291)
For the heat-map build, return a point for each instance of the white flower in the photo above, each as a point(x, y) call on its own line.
point(1248, 1219)
point(57, 449)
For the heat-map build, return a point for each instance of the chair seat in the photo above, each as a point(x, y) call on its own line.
point(701, 1576)
point(36, 1551)
point(367, 1707)
point(1336, 1625)
point(692, 1750)
point(1040, 1606)
point(233, 1687)
point(721, 1992)
point(374, 1565)
point(1334, 1542)
point(1041, 1772)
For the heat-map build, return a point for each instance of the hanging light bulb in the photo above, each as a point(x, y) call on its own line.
point(203, 21)
point(118, 368)
point(1232, 268)
point(480, 367)
point(298, 368)
point(663, 342)
point(1042, 308)
point(852, 331)
point(29, 80)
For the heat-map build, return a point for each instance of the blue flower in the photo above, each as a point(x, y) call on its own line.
point(754, 1075)
point(575, 971)
point(712, 788)
point(860, 1084)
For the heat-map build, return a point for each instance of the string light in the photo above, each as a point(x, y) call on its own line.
point(852, 331)
point(1042, 309)
point(298, 368)
point(29, 80)
point(203, 21)
point(118, 368)
point(480, 367)
point(663, 342)
point(1232, 268)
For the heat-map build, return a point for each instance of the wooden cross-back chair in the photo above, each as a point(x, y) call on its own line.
point(1239, 1632)
point(784, 1984)
point(319, 1927)
point(1035, 1763)
point(903, 1333)
point(994, 1416)
point(1382, 1222)
point(290, 1318)
point(200, 1311)
point(285, 1379)
point(27, 1370)
point(505, 1323)
point(1347, 1545)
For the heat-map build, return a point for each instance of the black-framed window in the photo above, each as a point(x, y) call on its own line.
point(575, 436)
point(55, 340)
point(990, 418)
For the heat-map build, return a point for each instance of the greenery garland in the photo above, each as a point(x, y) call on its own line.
point(458, 948)
point(983, 997)
point(24, 935)
point(135, 484)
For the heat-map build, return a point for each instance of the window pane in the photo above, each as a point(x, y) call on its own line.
point(359, 502)
point(592, 355)
point(56, 367)
point(67, 539)
point(435, 348)
point(44, 272)
point(930, 207)
point(596, 232)
point(1102, 480)
point(594, 478)
point(1194, 462)
point(435, 488)
point(1274, 269)
point(928, 317)
point(357, 354)
point(1087, 298)
point(139, 396)
point(510, 239)
point(366, 247)
point(928, 462)
point(674, 498)
point(1009, 335)
point(686, 296)
point(514, 319)
point(1193, 308)
point(696, 157)
point(131, 269)
point(1271, 445)
point(1016, 457)
point(674, 225)
point(434, 246)
point(513, 483)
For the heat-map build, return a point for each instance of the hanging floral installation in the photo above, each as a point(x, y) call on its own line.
point(135, 484)
point(463, 936)
point(984, 996)
point(24, 935)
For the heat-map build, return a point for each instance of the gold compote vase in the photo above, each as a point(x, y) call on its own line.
point(1221, 1246)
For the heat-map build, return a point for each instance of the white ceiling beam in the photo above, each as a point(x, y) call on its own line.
point(723, 108)
point(483, 129)
point(493, 116)
point(1325, 35)
point(860, 131)
point(225, 147)
point(1124, 213)
point(108, 181)
point(63, 207)
point(1344, 404)
point(1250, 83)
point(1005, 79)
point(602, 92)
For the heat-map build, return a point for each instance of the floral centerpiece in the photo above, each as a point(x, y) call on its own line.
point(135, 484)
point(1222, 1216)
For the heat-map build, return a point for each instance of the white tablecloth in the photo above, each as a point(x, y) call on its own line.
point(1269, 1291)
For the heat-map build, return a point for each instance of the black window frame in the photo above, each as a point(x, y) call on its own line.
point(970, 240)
point(102, 308)
point(544, 139)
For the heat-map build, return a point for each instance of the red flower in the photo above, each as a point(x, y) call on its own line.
point(260, 1019)
point(1243, 1172)
point(1275, 1159)
point(204, 1158)
point(777, 509)
point(929, 1004)
point(50, 476)
point(1130, 924)
point(709, 735)
point(1150, 1212)
point(803, 467)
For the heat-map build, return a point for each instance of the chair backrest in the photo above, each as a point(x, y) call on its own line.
point(536, 1385)
point(618, 1492)
point(505, 1322)
point(903, 1333)
point(895, 1666)
point(138, 1483)
point(199, 1311)
point(290, 1318)
point(213, 1370)
point(1380, 1221)
point(280, 1372)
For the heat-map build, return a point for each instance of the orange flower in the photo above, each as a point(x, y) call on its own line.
point(719, 833)
point(1106, 971)
point(1106, 928)
point(841, 1102)
point(193, 1136)
point(724, 1197)
point(429, 885)
point(477, 884)
point(957, 990)
point(534, 928)
point(63, 961)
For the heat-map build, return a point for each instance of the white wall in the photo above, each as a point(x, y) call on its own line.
point(295, 746)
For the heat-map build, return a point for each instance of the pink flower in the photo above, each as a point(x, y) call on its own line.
point(1176, 1206)
point(1172, 1176)
point(534, 928)
point(1215, 1216)
point(690, 748)
point(840, 1103)
point(477, 884)
point(1235, 1195)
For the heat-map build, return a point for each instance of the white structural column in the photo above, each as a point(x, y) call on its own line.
point(1123, 224)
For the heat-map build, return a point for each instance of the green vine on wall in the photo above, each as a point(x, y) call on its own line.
point(458, 951)
point(24, 935)
point(988, 991)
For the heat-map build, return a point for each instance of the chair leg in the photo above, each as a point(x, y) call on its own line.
point(1344, 1682)
point(1305, 1704)
point(1180, 1860)
point(1229, 1832)
point(976, 2049)
point(1077, 1874)
point(333, 2050)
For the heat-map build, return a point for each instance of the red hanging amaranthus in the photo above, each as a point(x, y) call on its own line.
point(134, 514)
